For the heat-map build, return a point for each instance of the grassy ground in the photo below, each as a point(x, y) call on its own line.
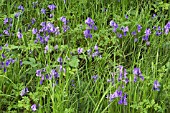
point(69, 66)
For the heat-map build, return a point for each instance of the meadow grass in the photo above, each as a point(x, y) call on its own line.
point(69, 70)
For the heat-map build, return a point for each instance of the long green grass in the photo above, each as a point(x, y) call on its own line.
point(75, 90)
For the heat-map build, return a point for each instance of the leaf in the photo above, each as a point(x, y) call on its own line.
point(32, 60)
point(26, 62)
point(74, 61)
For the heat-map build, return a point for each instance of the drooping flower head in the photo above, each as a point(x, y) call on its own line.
point(51, 7)
point(156, 85)
point(24, 91)
point(34, 107)
point(137, 72)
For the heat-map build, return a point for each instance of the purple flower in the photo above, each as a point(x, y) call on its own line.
point(24, 91)
point(87, 33)
point(80, 50)
point(33, 20)
point(21, 7)
point(126, 16)
point(20, 62)
point(134, 33)
point(60, 60)
point(43, 11)
point(51, 15)
point(123, 100)
point(57, 31)
point(51, 7)
point(95, 77)
point(125, 30)
point(33, 107)
point(19, 35)
point(147, 32)
point(6, 32)
point(96, 48)
point(3, 55)
point(34, 30)
point(119, 35)
point(38, 73)
point(116, 94)
point(113, 24)
point(5, 20)
point(156, 85)
point(145, 38)
point(137, 72)
point(46, 49)
point(64, 20)
point(8, 63)
point(65, 28)
point(139, 27)
point(0, 47)
point(17, 14)
point(167, 27)
point(89, 21)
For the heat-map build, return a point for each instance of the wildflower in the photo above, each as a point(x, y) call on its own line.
point(167, 27)
point(125, 30)
point(89, 52)
point(95, 77)
point(65, 28)
point(33, 20)
point(137, 72)
point(43, 11)
point(63, 19)
point(8, 63)
point(51, 16)
point(0, 47)
point(24, 91)
point(20, 62)
point(87, 33)
point(21, 7)
point(134, 33)
point(5, 20)
point(6, 32)
point(147, 32)
point(139, 27)
point(156, 85)
point(17, 14)
point(123, 100)
point(60, 60)
point(19, 35)
point(116, 94)
point(34, 31)
point(90, 23)
point(57, 31)
point(114, 25)
point(3, 56)
point(46, 49)
point(42, 79)
point(145, 38)
point(38, 73)
point(126, 16)
point(33, 107)
point(54, 73)
point(119, 35)
point(80, 50)
point(51, 7)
